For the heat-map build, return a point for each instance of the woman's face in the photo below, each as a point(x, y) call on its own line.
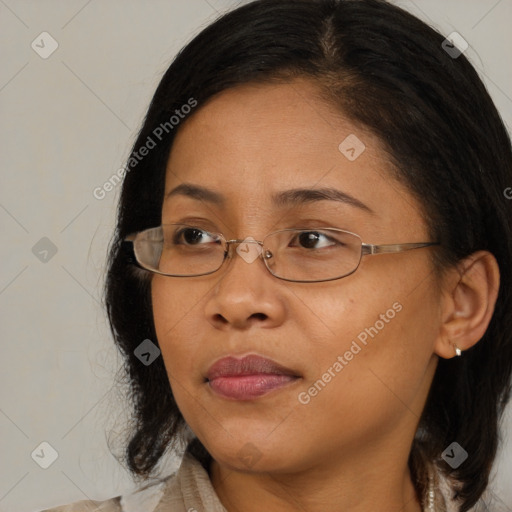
point(360, 348)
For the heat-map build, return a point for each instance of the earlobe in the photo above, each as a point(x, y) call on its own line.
point(467, 303)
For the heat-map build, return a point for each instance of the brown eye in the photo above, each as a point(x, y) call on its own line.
point(309, 239)
point(192, 236)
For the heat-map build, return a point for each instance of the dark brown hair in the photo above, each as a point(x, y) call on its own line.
point(388, 71)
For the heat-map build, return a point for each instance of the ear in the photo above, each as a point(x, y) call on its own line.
point(469, 296)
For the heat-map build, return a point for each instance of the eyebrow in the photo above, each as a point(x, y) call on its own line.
point(285, 198)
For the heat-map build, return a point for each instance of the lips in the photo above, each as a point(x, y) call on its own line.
point(248, 365)
point(248, 378)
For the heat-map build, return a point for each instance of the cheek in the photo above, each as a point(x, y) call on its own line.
point(183, 334)
point(375, 352)
point(176, 326)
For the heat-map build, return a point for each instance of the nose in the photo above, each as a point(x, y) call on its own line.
point(246, 293)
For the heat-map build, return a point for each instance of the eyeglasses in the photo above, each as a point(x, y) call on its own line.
point(303, 255)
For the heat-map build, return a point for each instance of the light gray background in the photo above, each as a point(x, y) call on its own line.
point(67, 123)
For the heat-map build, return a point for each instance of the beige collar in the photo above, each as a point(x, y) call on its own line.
point(190, 490)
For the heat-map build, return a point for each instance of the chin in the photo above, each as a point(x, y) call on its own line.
point(253, 454)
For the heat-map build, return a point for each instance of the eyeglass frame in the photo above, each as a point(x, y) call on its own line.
point(366, 250)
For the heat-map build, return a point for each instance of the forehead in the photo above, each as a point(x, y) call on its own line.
point(280, 123)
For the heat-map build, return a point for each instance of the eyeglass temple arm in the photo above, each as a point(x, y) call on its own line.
point(389, 248)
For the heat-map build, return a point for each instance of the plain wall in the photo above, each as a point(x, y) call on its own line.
point(67, 123)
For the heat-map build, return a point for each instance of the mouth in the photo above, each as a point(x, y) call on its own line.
point(248, 378)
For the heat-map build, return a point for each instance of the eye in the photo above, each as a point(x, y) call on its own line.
point(309, 239)
point(193, 236)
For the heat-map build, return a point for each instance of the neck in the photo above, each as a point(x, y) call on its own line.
point(357, 486)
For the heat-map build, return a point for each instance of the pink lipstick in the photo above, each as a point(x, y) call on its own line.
point(248, 378)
